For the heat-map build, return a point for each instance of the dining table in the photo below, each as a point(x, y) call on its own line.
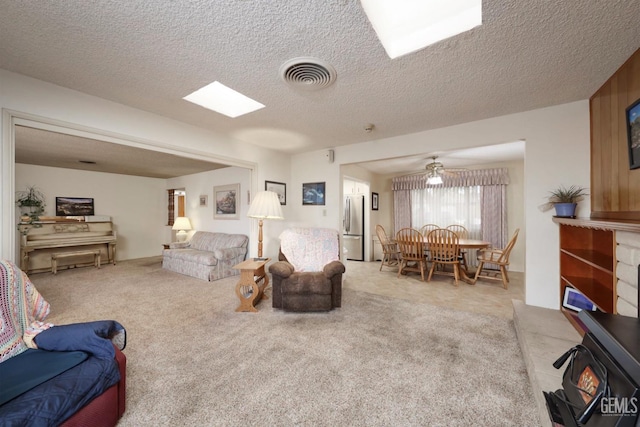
point(467, 244)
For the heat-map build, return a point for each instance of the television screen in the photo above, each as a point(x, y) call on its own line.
point(74, 206)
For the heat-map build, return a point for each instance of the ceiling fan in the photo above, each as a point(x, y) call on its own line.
point(436, 169)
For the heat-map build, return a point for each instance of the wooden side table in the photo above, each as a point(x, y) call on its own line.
point(253, 281)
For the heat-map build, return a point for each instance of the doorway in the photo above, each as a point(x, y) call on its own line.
point(356, 229)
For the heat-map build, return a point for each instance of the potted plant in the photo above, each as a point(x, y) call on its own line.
point(31, 204)
point(566, 199)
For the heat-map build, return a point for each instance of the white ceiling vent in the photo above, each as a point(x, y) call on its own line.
point(308, 73)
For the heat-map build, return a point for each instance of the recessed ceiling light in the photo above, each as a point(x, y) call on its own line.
point(224, 100)
point(405, 26)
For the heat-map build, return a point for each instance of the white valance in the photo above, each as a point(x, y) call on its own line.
point(470, 178)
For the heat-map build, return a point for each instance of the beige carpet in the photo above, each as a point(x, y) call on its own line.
point(377, 361)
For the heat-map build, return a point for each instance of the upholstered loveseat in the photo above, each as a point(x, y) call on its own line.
point(69, 375)
point(207, 255)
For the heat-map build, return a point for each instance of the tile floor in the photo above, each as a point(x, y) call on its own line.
point(487, 297)
point(543, 334)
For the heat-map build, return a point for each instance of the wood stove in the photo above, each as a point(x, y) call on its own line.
point(601, 383)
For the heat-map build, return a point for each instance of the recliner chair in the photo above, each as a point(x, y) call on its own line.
point(308, 275)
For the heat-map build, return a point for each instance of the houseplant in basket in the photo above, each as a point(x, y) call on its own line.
point(31, 204)
point(566, 199)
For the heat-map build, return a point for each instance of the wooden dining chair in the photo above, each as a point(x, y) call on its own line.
point(411, 246)
point(391, 254)
point(499, 257)
point(445, 250)
point(426, 229)
point(462, 233)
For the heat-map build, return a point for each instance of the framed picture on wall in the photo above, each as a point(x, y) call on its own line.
point(633, 134)
point(204, 200)
point(313, 193)
point(374, 201)
point(280, 188)
point(226, 201)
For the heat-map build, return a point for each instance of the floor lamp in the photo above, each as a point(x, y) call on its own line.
point(266, 205)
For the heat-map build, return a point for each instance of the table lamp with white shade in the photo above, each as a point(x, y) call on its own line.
point(265, 205)
point(182, 224)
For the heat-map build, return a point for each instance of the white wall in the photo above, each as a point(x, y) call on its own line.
point(314, 167)
point(557, 152)
point(137, 205)
point(202, 184)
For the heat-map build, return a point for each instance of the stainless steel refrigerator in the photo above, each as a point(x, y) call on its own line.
point(353, 227)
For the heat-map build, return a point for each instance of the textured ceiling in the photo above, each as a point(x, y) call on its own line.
point(149, 54)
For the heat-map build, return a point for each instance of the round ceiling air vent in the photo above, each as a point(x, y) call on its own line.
point(307, 73)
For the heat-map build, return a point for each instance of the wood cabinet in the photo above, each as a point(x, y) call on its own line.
point(588, 261)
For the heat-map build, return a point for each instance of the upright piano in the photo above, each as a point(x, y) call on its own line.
point(39, 240)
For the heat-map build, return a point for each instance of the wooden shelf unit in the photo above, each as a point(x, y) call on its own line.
point(588, 261)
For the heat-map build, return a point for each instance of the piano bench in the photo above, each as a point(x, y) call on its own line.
point(58, 255)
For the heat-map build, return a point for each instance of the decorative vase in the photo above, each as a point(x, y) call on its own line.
point(566, 210)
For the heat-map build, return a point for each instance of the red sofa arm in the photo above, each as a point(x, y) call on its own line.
point(122, 384)
point(106, 409)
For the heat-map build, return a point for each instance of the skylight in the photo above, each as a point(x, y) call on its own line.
point(405, 26)
point(224, 100)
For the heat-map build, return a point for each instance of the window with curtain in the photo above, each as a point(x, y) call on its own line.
point(176, 205)
point(475, 199)
point(445, 206)
point(170, 207)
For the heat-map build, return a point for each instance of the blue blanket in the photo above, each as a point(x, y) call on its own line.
point(54, 401)
point(42, 401)
point(91, 337)
point(33, 367)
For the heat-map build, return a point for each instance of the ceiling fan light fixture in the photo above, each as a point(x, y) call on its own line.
point(434, 180)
